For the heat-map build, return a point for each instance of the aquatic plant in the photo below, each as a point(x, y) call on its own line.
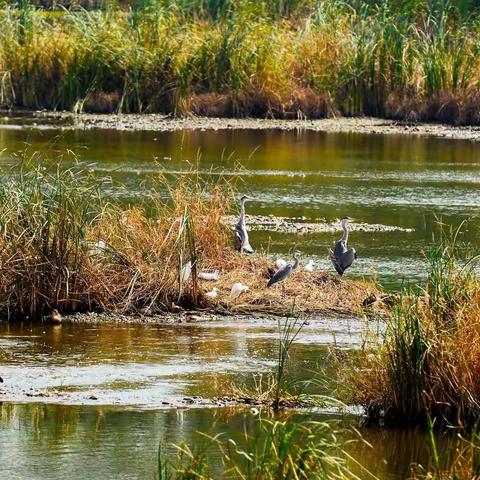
point(276, 450)
point(273, 389)
point(64, 246)
point(464, 465)
point(428, 363)
point(413, 60)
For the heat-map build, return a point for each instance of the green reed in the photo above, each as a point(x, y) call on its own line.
point(45, 217)
point(273, 450)
point(290, 59)
point(427, 364)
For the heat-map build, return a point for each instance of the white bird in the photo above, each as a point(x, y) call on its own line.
point(209, 275)
point(309, 266)
point(213, 294)
point(280, 263)
point(238, 289)
point(185, 272)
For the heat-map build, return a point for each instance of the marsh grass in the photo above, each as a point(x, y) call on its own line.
point(276, 450)
point(301, 59)
point(463, 464)
point(274, 389)
point(65, 246)
point(428, 364)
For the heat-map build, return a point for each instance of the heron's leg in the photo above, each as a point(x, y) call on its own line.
point(283, 290)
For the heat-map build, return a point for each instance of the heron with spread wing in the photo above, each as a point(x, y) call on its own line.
point(284, 272)
point(341, 257)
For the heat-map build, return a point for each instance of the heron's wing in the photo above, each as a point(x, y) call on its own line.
point(340, 249)
point(280, 275)
point(242, 243)
point(347, 258)
point(239, 236)
point(335, 264)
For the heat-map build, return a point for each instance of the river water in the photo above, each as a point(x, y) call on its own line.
point(95, 401)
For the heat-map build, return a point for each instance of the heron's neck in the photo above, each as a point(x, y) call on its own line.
point(295, 264)
point(242, 211)
point(345, 233)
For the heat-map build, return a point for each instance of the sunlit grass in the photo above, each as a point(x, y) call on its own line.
point(428, 364)
point(301, 449)
point(275, 59)
point(64, 245)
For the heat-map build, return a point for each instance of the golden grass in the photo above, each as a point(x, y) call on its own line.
point(311, 292)
point(429, 362)
point(63, 246)
point(394, 61)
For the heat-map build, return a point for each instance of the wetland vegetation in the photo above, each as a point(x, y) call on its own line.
point(114, 233)
point(415, 60)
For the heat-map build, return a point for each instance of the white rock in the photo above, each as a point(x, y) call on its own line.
point(309, 266)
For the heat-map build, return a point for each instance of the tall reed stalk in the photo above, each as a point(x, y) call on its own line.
point(427, 365)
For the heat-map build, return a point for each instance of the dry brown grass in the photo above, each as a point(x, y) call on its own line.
point(311, 292)
point(429, 362)
point(63, 246)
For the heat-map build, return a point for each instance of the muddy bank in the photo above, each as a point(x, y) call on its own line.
point(162, 123)
point(306, 225)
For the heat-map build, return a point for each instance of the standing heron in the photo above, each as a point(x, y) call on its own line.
point(284, 272)
point(242, 244)
point(340, 256)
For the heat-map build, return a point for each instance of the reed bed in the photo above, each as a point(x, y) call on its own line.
point(413, 60)
point(64, 246)
point(428, 364)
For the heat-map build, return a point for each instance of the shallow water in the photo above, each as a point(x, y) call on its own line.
point(403, 181)
point(140, 375)
point(95, 401)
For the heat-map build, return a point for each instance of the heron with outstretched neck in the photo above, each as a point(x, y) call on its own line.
point(242, 243)
point(284, 272)
point(341, 257)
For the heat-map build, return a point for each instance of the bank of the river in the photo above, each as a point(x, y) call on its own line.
point(163, 123)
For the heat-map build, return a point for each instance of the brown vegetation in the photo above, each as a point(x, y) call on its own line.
point(429, 362)
point(63, 246)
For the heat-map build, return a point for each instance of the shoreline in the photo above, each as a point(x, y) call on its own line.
point(163, 123)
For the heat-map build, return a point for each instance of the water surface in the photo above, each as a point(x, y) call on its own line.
point(95, 401)
point(403, 181)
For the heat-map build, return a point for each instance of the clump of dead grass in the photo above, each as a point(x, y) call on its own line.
point(429, 362)
point(64, 246)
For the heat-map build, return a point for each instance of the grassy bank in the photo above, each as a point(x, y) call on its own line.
point(64, 246)
point(428, 365)
point(414, 60)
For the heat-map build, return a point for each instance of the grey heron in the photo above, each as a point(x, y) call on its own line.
point(242, 244)
point(284, 272)
point(340, 256)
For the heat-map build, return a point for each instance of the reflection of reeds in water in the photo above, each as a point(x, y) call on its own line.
point(428, 364)
point(267, 59)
